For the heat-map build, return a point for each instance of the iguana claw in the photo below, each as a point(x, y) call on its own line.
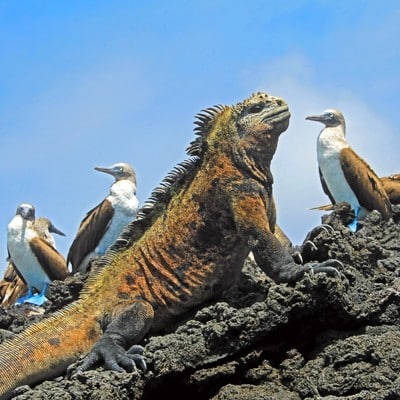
point(326, 267)
point(114, 356)
point(315, 231)
point(136, 353)
point(298, 257)
point(301, 253)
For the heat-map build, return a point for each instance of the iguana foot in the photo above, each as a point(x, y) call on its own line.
point(326, 267)
point(316, 231)
point(136, 353)
point(308, 246)
point(297, 253)
point(115, 357)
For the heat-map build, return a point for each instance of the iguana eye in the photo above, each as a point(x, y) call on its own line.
point(256, 108)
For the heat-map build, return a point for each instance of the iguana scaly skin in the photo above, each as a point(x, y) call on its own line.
point(188, 245)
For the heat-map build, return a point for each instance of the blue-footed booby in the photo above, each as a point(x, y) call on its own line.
point(35, 260)
point(344, 175)
point(12, 286)
point(103, 224)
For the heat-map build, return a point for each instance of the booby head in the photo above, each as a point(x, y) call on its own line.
point(330, 118)
point(26, 211)
point(119, 171)
point(44, 224)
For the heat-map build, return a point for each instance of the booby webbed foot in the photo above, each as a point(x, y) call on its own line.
point(37, 299)
point(354, 224)
point(114, 357)
point(23, 298)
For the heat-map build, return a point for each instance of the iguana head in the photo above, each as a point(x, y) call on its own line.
point(261, 113)
point(250, 128)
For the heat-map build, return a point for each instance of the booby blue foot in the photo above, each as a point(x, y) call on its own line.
point(22, 299)
point(353, 224)
point(37, 299)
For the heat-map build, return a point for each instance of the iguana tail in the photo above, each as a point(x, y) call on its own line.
point(47, 348)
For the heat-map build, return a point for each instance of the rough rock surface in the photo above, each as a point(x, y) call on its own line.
point(323, 338)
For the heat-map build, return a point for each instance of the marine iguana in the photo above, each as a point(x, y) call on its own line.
point(186, 247)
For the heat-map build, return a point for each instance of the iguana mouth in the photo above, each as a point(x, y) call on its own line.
point(277, 116)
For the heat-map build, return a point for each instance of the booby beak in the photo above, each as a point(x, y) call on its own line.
point(110, 171)
point(53, 229)
point(318, 118)
point(117, 171)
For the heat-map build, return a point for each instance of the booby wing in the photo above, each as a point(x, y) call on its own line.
point(10, 267)
point(325, 187)
point(12, 286)
point(391, 184)
point(90, 231)
point(52, 262)
point(365, 184)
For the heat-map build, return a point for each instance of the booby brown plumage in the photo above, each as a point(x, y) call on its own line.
point(391, 184)
point(103, 224)
point(35, 260)
point(344, 175)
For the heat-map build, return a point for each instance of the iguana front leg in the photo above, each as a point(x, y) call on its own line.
point(126, 328)
point(278, 263)
point(273, 257)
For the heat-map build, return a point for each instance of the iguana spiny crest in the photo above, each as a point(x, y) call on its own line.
point(259, 115)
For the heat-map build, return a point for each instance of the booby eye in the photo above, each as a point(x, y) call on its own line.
point(256, 108)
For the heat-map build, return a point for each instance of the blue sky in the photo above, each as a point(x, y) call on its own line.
point(85, 84)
